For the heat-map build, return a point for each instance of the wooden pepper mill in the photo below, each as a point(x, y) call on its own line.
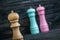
point(43, 23)
point(13, 17)
point(33, 24)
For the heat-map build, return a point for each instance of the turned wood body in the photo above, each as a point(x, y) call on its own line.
point(14, 18)
point(43, 22)
point(33, 24)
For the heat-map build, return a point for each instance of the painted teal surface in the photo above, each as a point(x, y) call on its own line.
point(33, 24)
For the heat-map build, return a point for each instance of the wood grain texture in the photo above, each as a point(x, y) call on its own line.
point(14, 18)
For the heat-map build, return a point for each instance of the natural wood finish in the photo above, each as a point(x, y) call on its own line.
point(13, 17)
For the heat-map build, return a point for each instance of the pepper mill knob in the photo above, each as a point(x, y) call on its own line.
point(40, 10)
point(13, 17)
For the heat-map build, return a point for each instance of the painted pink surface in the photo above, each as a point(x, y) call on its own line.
point(43, 23)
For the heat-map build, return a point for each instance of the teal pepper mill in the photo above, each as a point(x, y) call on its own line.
point(33, 25)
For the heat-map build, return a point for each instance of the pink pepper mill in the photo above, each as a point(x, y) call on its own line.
point(43, 23)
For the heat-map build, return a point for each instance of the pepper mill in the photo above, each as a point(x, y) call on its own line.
point(33, 24)
point(13, 17)
point(43, 23)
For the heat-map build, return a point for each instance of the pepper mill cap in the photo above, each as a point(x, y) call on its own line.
point(31, 10)
point(40, 8)
point(13, 16)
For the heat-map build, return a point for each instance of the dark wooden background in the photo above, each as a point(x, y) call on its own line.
point(52, 9)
